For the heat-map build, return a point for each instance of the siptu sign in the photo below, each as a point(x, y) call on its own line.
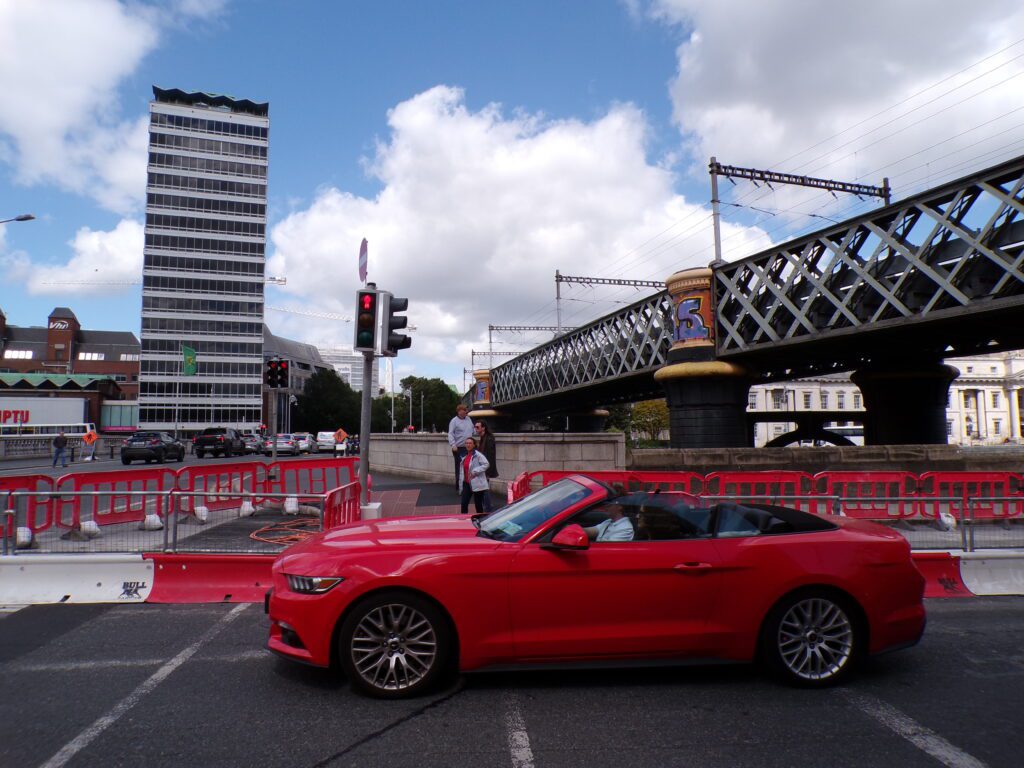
point(14, 417)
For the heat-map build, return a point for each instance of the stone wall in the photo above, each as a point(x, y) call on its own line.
point(428, 457)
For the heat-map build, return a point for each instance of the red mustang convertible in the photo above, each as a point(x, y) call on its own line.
point(579, 574)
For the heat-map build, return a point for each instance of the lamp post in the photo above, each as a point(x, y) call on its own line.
point(22, 217)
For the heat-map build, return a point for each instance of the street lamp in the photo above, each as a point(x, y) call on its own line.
point(23, 217)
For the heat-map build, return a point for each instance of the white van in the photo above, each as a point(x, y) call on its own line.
point(324, 441)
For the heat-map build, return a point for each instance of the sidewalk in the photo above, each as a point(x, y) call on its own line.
point(403, 496)
point(18, 466)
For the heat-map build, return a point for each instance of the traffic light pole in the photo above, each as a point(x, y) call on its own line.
point(273, 428)
point(364, 428)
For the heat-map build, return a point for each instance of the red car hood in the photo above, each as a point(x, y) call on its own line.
point(436, 534)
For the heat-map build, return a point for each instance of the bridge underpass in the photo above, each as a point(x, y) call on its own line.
point(887, 295)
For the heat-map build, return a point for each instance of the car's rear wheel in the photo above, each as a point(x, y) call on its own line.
point(811, 639)
point(395, 645)
point(199, 454)
point(126, 461)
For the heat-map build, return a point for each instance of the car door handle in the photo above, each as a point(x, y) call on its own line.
point(693, 568)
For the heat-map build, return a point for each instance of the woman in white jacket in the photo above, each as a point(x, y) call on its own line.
point(473, 477)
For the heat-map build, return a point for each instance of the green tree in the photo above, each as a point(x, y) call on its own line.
point(620, 418)
point(326, 403)
point(437, 405)
point(650, 418)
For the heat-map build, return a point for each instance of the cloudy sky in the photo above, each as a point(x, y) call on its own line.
point(481, 146)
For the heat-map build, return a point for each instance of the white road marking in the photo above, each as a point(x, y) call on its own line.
point(518, 738)
point(85, 666)
point(83, 739)
point(923, 738)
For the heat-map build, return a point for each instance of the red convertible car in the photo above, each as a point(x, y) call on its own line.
point(577, 573)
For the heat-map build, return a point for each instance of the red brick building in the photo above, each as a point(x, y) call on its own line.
point(64, 347)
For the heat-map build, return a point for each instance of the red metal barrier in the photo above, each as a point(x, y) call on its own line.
point(115, 505)
point(36, 511)
point(941, 572)
point(311, 476)
point(770, 487)
point(223, 482)
point(685, 482)
point(528, 482)
point(341, 506)
point(965, 485)
point(861, 489)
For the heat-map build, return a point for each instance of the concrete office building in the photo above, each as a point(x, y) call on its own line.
point(349, 366)
point(203, 273)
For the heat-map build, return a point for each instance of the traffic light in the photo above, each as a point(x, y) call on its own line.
point(391, 321)
point(366, 321)
point(276, 374)
point(270, 374)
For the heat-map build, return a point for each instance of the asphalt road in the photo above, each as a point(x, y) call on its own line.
point(151, 685)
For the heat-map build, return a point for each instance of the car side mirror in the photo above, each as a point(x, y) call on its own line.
point(571, 537)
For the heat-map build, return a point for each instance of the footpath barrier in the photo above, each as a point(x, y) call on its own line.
point(127, 496)
point(341, 506)
point(220, 484)
point(36, 511)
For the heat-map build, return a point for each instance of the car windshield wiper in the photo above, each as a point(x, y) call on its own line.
point(488, 534)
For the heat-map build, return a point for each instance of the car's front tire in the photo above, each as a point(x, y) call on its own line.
point(125, 461)
point(812, 639)
point(395, 645)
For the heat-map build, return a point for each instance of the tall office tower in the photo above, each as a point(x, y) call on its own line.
point(202, 279)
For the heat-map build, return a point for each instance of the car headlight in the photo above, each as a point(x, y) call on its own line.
point(312, 585)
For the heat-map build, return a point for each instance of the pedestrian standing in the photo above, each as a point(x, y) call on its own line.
point(459, 428)
point(59, 444)
point(489, 448)
point(473, 478)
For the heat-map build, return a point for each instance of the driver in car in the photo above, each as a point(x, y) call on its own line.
point(617, 527)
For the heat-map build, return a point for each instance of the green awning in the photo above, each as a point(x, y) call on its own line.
point(57, 380)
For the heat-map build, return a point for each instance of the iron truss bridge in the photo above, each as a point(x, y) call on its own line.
point(937, 275)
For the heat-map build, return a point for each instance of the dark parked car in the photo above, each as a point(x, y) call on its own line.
point(152, 446)
point(218, 441)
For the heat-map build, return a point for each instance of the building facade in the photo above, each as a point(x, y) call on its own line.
point(349, 366)
point(303, 361)
point(204, 260)
point(984, 405)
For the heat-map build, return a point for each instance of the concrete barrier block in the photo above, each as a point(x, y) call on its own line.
point(598, 452)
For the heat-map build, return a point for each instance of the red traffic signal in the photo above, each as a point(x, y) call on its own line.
point(366, 321)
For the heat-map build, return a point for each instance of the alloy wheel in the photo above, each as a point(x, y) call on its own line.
point(815, 639)
point(394, 647)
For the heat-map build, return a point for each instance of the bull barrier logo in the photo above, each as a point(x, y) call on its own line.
point(130, 590)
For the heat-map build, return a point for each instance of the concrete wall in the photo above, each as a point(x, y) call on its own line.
point(428, 457)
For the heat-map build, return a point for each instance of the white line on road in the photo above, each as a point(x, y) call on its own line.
point(518, 738)
point(923, 738)
point(93, 664)
point(83, 739)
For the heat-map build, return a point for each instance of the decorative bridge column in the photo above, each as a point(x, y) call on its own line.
point(482, 410)
point(905, 403)
point(707, 398)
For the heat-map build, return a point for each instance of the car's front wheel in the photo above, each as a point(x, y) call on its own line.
point(395, 645)
point(811, 639)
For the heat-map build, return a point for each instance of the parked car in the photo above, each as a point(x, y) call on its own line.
point(218, 441)
point(325, 441)
point(152, 446)
point(286, 443)
point(399, 602)
point(306, 442)
point(253, 443)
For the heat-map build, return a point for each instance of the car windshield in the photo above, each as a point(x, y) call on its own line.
point(213, 431)
point(513, 522)
point(146, 436)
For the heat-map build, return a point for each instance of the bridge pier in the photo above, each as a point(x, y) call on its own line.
point(707, 398)
point(496, 421)
point(905, 404)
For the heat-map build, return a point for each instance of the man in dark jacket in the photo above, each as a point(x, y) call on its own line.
point(59, 444)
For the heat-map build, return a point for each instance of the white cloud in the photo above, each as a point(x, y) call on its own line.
point(102, 263)
point(61, 62)
point(476, 212)
point(804, 87)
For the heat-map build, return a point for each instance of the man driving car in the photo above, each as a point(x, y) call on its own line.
point(617, 527)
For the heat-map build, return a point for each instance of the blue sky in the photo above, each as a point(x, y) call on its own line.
point(480, 146)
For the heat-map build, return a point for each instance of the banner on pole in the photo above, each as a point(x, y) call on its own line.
point(362, 261)
point(188, 364)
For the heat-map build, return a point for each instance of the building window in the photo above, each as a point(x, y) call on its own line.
point(949, 429)
point(856, 399)
point(18, 354)
point(970, 369)
point(995, 399)
point(126, 358)
point(840, 400)
point(807, 401)
point(824, 401)
point(92, 356)
point(346, 373)
point(779, 399)
point(997, 426)
point(949, 399)
point(993, 369)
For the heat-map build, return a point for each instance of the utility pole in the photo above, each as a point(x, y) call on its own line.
point(558, 302)
point(731, 172)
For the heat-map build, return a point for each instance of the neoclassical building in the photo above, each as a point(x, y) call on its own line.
point(983, 407)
